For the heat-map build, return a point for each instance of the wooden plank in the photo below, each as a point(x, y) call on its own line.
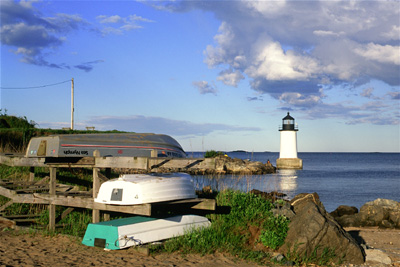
point(64, 214)
point(183, 163)
point(52, 191)
point(23, 216)
point(143, 163)
point(194, 203)
point(102, 177)
point(32, 189)
point(32, 174)
point(121, 162)
point(206, 204)
point(7, 192)
point(16, 183)
point(19, 160)
point(9, 203)
point(79, 202)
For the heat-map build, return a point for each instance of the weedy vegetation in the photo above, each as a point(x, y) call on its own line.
point(213, 154)
point(229, 231)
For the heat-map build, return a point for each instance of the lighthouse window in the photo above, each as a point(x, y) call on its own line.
point(288, 122)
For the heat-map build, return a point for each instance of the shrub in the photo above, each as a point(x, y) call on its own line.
point(213, 154)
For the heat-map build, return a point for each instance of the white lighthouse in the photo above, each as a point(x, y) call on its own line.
point(288, 150)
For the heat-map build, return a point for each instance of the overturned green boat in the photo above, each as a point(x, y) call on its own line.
point(134, 231)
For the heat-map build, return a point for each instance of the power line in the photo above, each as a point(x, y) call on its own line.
point(32, 87)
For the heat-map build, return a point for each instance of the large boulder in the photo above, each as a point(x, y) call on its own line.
point(346, 216)
point(344, 210)
point(312, 232)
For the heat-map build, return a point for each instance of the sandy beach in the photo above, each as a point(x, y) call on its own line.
point(18, 248)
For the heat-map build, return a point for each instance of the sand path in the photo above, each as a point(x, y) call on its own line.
point(25, 249)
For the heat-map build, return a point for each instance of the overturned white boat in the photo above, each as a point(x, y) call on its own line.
point(132, 189)
point(133, 231)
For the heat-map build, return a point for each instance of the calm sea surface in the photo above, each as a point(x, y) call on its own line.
point(339, 178)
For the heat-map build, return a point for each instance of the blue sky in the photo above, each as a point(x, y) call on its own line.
point(212, 74)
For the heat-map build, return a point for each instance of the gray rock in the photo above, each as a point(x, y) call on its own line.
point(312, 230)
point(344, 210)
point(279, 257)
point(376, 255)
point(384, 213)
point(380, 212)
point(283, 210)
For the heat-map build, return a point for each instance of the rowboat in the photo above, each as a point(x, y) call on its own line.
point(134, 231)
point(107, 144)
point(132, 189)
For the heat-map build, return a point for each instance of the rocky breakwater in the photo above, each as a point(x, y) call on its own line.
point(384, 213)
point(228, 165)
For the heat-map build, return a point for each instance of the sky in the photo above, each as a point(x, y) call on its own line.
point(214, 75)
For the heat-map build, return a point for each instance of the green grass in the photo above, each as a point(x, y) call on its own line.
point(326, 258)
point(275, 231)
point(229, 232)
point(74, 224)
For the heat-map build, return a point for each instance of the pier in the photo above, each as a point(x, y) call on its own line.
point(47, 191)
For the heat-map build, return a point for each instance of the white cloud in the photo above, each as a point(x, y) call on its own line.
point(266, 8)
point(328, 33)
point(109, 19)
point(381, 53)
point(204, 88)
point(135, 17)
point(272, 63)
point(299, 100)
point(230, 77)
point(118, 25)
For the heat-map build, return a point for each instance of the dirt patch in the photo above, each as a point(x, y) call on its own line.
point(386, 240)
point(26, 249)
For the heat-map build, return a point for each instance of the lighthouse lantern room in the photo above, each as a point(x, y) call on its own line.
point(288, 147)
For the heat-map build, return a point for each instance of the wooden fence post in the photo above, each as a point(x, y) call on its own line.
point(52, 192)
point(31, 174)
point(96, 187)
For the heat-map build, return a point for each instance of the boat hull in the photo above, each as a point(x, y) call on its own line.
point(132, 189)
point(133, 231)
point(108, 145)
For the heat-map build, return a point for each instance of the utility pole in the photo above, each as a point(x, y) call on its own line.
point(72, 103)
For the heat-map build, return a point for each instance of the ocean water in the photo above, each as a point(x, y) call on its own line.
point(339, 178)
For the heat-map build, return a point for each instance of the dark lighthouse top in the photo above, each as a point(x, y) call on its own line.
point(288, 124)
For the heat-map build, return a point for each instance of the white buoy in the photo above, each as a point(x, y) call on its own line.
point(288, 148)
